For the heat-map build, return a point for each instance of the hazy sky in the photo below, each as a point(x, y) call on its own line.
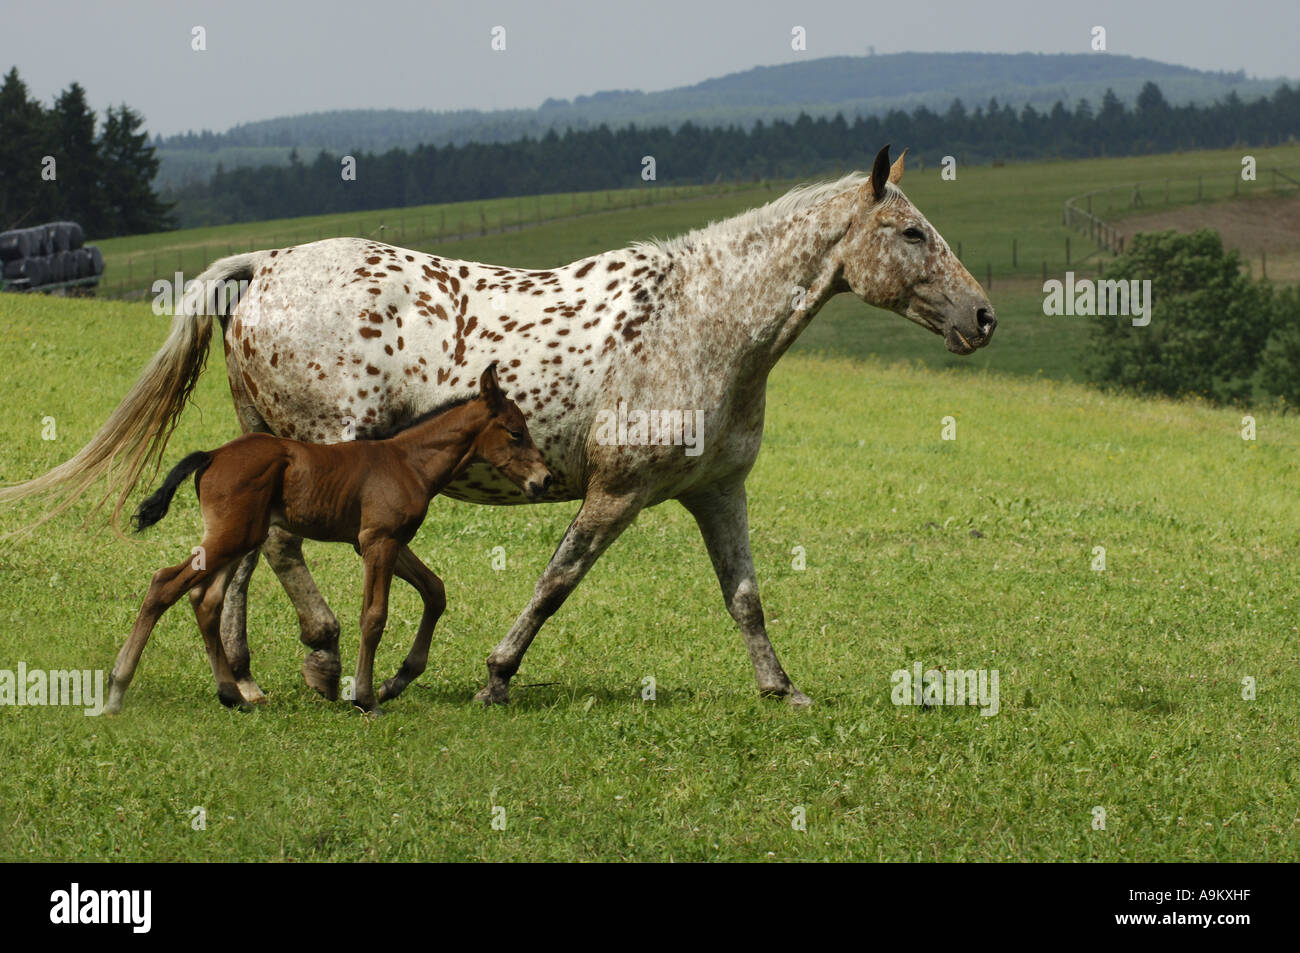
point(272, 58)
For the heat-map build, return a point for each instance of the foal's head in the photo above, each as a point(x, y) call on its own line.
point(504, 441)
point(893, 258)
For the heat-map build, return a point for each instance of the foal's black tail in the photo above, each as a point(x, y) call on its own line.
point(155, 508)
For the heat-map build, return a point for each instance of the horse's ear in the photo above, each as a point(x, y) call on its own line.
point(490, 388)
point(896, 170)
point(880, 173)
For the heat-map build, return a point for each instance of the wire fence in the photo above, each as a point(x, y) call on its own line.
point(1083, 213)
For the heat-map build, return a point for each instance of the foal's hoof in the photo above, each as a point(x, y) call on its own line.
point(492, 695)
point(231, 697)
point(252, 693)
point(321, 671)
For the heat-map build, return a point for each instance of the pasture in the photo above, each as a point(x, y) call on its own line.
point(1120, 689)
point(983, 211)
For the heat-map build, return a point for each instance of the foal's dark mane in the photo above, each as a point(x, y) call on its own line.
point(442, 408)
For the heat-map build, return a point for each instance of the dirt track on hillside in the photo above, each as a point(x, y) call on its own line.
point(1250, 225)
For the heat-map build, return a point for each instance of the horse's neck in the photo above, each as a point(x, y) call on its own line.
point(761, 287)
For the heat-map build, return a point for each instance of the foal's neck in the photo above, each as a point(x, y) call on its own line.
point(441, 447)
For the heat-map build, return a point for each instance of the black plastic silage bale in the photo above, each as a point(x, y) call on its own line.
point(68, 236)
point(16, 244)
point(96, 260)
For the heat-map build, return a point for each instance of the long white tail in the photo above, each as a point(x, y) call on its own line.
point(135, 435)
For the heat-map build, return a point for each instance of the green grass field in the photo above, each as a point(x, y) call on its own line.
point(1119, 689)
point(981, 212)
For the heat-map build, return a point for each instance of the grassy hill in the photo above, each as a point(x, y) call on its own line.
point(851, 85)
point(1005, 221)
point(1119, 689)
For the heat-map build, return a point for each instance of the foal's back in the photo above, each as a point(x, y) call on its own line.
point(325, 492)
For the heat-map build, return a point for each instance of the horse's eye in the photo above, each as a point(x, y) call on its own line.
point(517, 435)
point(914, 235)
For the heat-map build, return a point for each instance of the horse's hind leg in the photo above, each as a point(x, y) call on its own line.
point(318, 626)
point(234, 611)
point(429, 586)
point(234, 629)
point(207, 602)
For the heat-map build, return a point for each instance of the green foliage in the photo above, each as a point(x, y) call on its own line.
point(1279, 365)
point(848, 85)
point(605, 158)
point(1208, 321)
point(103, 181)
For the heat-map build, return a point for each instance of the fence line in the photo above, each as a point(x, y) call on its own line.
point(1108, 237)
point(426, 227)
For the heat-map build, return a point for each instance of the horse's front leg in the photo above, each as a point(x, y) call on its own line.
point(723, 519)
point(598, 523)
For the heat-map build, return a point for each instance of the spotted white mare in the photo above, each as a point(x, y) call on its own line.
point(352, 333)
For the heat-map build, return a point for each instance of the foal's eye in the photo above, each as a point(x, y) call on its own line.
point(516, 435)
point(913, 235)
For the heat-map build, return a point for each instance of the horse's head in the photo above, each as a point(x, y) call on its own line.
point(893, 258)
point(504, 441)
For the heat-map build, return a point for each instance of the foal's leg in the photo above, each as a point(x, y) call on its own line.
point(234, 629)
point(598, 523)
point(167, 586)
point(206, 601)
point(429, 586)
point(318, 627)
point(381, 559)
point(724, 523)
point(234, 611)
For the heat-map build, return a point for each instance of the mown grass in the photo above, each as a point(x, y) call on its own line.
point(1120, 689)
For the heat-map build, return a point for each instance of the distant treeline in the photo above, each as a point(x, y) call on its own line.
point(607, 159)
point(54, 164)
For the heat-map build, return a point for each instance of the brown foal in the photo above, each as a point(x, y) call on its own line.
point(373, 494)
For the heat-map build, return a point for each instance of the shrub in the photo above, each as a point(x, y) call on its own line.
point(1279, 364)
point(1209, 322)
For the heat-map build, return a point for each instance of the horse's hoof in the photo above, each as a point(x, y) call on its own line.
point(321, 671)
point(372, 712)
point(792, 696)
point(492, 696)
point(389, 690)
point(797, 699)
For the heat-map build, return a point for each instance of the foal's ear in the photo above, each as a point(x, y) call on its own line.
point(880, 173)
point(490, 389)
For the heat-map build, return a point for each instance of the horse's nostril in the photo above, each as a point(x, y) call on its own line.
point(546, 482)
point(986, 321)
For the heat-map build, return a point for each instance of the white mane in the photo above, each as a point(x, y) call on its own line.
point(800, 197)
